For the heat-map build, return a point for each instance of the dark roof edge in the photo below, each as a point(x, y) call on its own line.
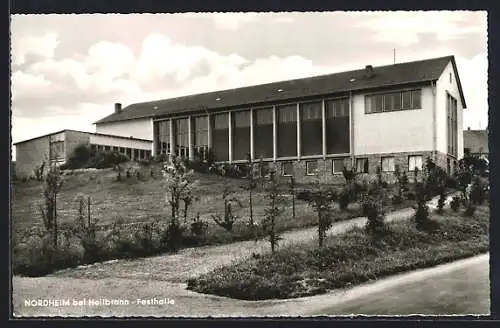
point(93, 133)
point(45, 135)
point(120, 137)
point(460, 90)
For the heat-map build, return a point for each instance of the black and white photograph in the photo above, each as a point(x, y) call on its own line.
point(250, 164)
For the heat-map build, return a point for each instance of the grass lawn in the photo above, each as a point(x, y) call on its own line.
point(142, 201)
point(349, 259)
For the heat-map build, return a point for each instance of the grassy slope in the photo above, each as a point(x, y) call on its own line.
point(131, 201)
point(143, 200)
point(350, 259)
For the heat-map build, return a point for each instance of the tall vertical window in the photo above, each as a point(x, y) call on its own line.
point(337, 126)
point(311, 126)
point(452, 125)
point(200, 137)
point(241, 134)
point(162, 137)
point(181, 128)
point(263, 133)
point(287, 130)
point(220, 137)
point(392, 101)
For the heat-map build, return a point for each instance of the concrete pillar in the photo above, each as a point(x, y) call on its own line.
point(155, 137)
point(230, 143)
point(251, 136)
point(298, 132)
point(323, 128)
point(172, 139)
point(275, 135)
point(190, 139)
point(351, 130)
point(209, 132)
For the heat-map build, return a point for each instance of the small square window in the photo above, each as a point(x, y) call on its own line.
point(337, 165)
point(362, 165)
point(387, 164)
point(287, 169)
point(312, 168)
point(414, 161)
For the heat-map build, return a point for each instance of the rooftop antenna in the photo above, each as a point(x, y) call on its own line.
point(394, 55)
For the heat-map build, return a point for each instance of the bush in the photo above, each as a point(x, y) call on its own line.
point(345, 260)
point(422, 217)
point(441, 201)
point(106, 159)
point(78, 158)
point(36, 256)
point(199, 227)
point(455, 203)
point(344, 199)
point(410, 196)
point(305, 195)
point(397, 199)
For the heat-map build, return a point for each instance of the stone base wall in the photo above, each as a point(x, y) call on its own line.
point(325, 174)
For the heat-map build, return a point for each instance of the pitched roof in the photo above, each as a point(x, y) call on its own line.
point(476, 141)
point(90, 133)
point(383, 76)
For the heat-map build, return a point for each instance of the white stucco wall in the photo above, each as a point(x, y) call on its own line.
point(120, 142)
point(443, 85)
point(390, 132)
point(140, 128)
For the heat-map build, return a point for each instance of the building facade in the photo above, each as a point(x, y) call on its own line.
point(375, 117)
point(476, 142)
point(56, 148)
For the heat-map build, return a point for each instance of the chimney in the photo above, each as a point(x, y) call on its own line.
point(468, 129)
point(118, 108)
point(368, 71)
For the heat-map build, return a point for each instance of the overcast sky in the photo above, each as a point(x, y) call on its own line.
point(69, 70)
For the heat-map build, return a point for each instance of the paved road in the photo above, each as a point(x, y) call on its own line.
point(461, 287)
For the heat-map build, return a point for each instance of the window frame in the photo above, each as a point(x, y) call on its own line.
point(364, 166)
point(375, 103)
point(388, 158)
point(421, 162)
point(307, 168)
point(283, 173)
point(342, 160)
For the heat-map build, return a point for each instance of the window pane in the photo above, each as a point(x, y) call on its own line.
point(387, 164)
point(413, 162)
point(337, 108)
point(396, 100)
point(263, 133)
point(264, 116)
point(406, 99)
point(241, 119)
point(311, 167)
point(387, 102)
point(379, 102)
point(287, 168)
point(310, 111)
point(362, 165)
point(338, 165)
point(417, 99)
